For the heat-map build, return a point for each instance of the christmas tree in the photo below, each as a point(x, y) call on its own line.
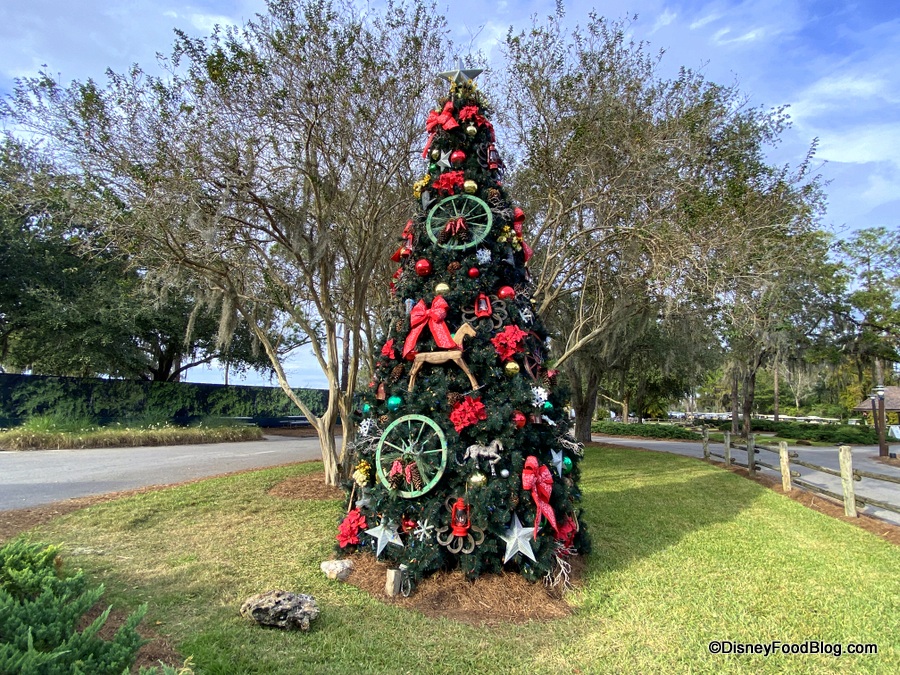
point(464, 457)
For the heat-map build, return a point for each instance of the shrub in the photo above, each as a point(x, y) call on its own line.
point(645, 430)
point(825, 433)
point(40, 608)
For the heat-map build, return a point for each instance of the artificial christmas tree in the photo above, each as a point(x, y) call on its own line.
point(464, 455)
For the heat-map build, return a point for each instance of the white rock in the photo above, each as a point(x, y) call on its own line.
point(337, 569)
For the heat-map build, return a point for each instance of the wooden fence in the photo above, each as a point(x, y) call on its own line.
point(789, 477)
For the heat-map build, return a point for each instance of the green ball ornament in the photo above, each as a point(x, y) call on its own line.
point(567, 464)
point(548, 405)
point(394, 403)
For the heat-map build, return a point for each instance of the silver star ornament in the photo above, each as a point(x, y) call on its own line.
point(557, 460)
point(518, 540)
point(386, 533)
point(461, 75)
point(444, 161)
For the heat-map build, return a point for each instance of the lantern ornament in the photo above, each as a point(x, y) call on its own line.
point(483, 306)
point(457, 536)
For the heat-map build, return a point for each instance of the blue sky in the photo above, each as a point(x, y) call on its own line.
point(836, 64)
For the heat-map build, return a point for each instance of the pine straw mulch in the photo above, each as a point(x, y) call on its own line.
point(489, 600)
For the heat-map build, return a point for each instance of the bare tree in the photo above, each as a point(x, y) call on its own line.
point(271, 163)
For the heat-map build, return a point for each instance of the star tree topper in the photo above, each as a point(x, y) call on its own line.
point(517, 540)
point(460, 75)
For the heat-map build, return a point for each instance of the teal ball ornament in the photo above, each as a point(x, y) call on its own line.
point(394, 403)
point(567, 464)
point(366, 407)
point(548, 405)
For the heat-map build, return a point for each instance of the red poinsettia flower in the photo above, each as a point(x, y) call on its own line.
point(449, 182)
point(467, 412)
point(565, 535)
point(508, 343)
point(388, 349)
point(349, 529)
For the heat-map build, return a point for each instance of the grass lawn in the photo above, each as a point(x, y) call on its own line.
point(685, 553)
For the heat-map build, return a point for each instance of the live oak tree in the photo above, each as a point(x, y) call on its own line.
point(265, 166)
point(644, 192)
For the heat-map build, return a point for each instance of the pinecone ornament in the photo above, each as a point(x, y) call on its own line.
point(384, 419)
point(396, 373)
point(454, 266)
point(415, 478)
point(454, 398)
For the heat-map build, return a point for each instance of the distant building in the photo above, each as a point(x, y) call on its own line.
point(891, 407)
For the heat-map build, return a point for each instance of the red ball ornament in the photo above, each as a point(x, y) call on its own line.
point(506, 293)
point(519, 419)
point(474, 272)
point(457, 157)
point(423, 267)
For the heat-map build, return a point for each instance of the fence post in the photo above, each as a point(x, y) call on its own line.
point(847, 481)
point(727, 448)
point(751, 454)
point(785, 466)
point(705, 443)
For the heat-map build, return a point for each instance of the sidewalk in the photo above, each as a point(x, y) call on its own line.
point(863, 459)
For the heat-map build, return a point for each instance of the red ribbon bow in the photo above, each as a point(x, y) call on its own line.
point(539, 480)
point(420, 316)
point(407, 246)
point(443, 119)
point(518, 219)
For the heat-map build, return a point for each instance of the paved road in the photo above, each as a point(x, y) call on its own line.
point(863, 459)
point(45, 476)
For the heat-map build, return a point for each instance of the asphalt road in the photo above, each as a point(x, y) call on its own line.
point(45, 476)
point(863, 459)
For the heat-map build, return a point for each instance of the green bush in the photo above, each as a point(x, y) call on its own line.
point(104, 401)
point(825, 433)
point(645, 430)
point(40, 609)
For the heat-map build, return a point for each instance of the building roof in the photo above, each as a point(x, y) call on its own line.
point(891, 400)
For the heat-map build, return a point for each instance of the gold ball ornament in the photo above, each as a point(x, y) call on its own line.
point(511, 369)
point(477, 479)
point(435, 154)
point(471, 130)
point(470, 186)
point(441, 288)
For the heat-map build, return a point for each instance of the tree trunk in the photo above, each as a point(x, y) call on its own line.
point(584, 401)
point(735, 415)
point(775, 405)
point(749, 393)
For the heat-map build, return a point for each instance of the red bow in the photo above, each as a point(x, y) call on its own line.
point(455, 226)
point(539, 480)
point(519, 218)
point(434, 318)
point(388, 349)
point(443, 119)
point(407, 247)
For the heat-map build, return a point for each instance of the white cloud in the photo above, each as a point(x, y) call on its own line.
point(862, 144)
point(206, 22)
point(663, 20)
point(702, 21)
point(840, 92)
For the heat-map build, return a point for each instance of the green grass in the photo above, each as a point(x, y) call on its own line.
point(46, 436)
point(684, 553)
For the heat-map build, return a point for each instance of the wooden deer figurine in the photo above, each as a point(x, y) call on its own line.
point(454, 355)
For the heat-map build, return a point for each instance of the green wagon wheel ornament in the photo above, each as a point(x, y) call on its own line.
point(413, 438)
point(475, 212)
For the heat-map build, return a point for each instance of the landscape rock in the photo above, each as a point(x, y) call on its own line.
point(337, 569)
point(282, 609)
